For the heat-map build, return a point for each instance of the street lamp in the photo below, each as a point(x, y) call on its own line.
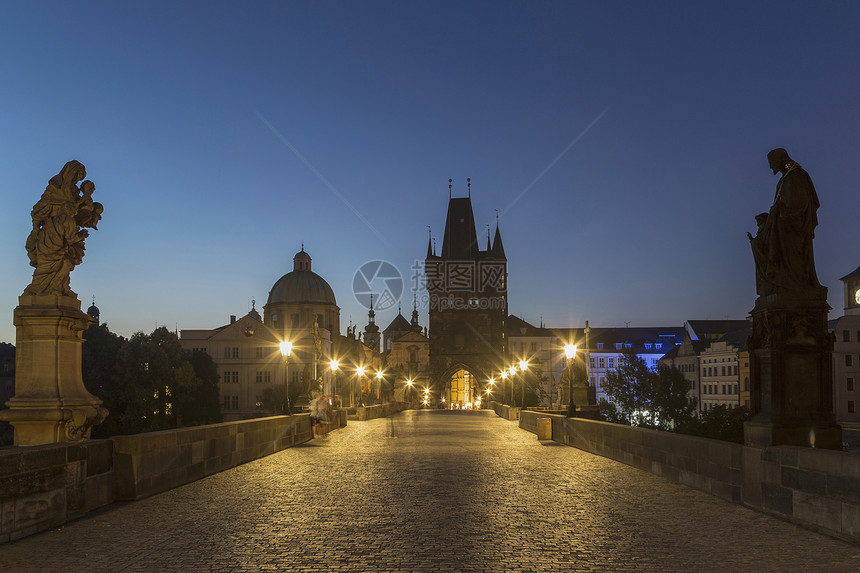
point(379, 386)
point(409, 385)
point(333, 365)
point(570, 353)
point(286, 350)
point(360, 372)
point(524, 365)
point(504, 377)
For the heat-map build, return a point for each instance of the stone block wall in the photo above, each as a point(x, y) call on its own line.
point(43, 487)
point(505, 411)
point(379, 411)
point(819, 489)
point(146, 464)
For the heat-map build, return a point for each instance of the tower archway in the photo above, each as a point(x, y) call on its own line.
point(462, 384)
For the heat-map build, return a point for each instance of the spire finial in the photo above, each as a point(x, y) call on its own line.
point(303, 245)
point(449, 187)
point(398, 308)
point(253, 303)
point(414, 301)
point(469, 185)
point(434, 246)
point(94, 300)
point(497, 218)
point(371, 301)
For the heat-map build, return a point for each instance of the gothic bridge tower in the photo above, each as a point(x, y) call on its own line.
point(468, 305)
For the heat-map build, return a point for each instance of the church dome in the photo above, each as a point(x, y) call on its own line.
point(302, 285)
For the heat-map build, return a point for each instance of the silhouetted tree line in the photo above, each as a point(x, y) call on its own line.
point(148, 382)
point(658, 400)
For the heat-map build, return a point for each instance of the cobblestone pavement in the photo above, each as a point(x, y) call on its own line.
point(430, 491)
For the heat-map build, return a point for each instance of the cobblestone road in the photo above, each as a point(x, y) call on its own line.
point(430, 491)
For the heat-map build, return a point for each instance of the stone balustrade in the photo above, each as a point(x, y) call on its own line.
point(819, 489)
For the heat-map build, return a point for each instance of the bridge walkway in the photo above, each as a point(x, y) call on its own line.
point(430, 491)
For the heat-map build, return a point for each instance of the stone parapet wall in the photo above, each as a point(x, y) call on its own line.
point(818, 489)
point(363, 413)
point(505, 411)
point(43, 487)
point(146, 464)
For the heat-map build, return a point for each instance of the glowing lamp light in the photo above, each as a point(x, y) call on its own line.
point(360, 370)
point(512, 370)
point(524, 365)
point(333, 365)
point(569, 351)
point(286, 348)
point(379, 374)
point(409, 382)
point(492, 381)
point(504, 374)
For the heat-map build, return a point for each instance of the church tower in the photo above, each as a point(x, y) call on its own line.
point(371, 331)
point(467, 289)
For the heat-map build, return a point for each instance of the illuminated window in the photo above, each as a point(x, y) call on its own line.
point(611, 362)
point(601, 363)
point(591, 362)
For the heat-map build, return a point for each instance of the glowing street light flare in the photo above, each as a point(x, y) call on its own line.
point(333, 365)
point(360, 370)
point(524, 365)
point(286, 348)
point(512, 370)
point(504, 374)
point(569, 351)
point(379, 374)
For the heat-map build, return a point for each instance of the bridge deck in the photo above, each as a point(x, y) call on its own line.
point(430, 491)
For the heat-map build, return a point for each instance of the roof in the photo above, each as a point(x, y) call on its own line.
point(301, 287)
point(737, 338)
point(713, 329)
point(516, 326)
point(398, 324)
point(856, 273)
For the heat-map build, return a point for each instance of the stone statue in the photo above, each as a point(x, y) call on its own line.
point(782, 246)
point(56, 243)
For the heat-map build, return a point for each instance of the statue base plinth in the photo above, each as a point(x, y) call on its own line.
point(765, 434)
point(51, 403)
point(791, 374)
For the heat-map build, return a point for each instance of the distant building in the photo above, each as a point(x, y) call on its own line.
point(541, 348)
point(301, 309)
point(698, 335)
point(468, 306)
point(846, 354)
point(719, 367)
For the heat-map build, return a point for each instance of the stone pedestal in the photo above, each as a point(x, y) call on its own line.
point(791, 375)
point(51, 403)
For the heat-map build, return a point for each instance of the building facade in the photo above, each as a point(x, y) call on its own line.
point(468, 305)
point(846, 355)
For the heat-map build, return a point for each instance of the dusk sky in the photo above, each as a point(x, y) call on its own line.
point(623, 143)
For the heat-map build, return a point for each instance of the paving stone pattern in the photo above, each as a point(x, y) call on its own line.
point(430, 491)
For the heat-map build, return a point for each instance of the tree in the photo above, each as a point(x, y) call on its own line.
point(673, 408)
point(630, 389)
point(641, 397)
point(148, 382)
point(721, 423)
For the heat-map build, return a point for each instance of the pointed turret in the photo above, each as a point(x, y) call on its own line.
point(498, 248)
point(415, 326)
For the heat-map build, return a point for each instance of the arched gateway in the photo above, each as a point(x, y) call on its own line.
point(463, 384)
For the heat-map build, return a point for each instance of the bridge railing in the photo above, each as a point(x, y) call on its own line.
point(819, 489)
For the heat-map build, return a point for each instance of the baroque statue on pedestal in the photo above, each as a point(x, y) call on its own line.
point(782, 246)
point(56, 243)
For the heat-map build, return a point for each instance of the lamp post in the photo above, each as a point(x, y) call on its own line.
point(426, 396)
point(512, 371)
point(492, 383)
point(286, 350)
point(409, 386)
point(360, 374)
point(570, 353)
point(524, 365)
point(379, 386)
point(504, 378)
point(333, 365)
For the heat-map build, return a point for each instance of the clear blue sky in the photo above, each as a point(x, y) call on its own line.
point(191, 118)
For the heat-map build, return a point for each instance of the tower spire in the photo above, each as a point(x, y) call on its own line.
point(429, 242)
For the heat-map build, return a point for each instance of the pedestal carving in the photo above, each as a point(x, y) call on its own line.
point(51, 403)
